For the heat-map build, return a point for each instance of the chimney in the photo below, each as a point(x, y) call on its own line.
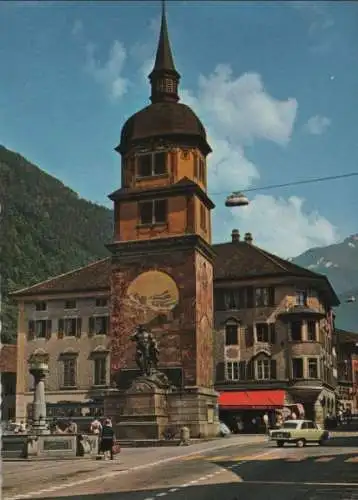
point(248, 238)
point(235, 236)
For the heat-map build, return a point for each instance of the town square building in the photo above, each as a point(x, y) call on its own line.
point(229, 317)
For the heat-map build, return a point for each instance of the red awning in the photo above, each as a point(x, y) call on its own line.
point(251, 400)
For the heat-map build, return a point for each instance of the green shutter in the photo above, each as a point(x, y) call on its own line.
point(31, 330)
point(91, 325)
point(273, 369)
point(48, 329)
point(78, 327)
point(61, 328)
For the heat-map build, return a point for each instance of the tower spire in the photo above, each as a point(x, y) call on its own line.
point(164, 78)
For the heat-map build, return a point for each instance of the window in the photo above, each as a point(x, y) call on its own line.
point(69, 372)
point(152, 164)
point(264, 297)
point(297, 368)
point(232, 370)
point(40, 306)
point(100, 371)
point(301, 298)
point(70, 304)
point(234, 299)
point(69, 326)
point(153, 212)
point(98, 325)
point(296, 331)
point(202, 217)
point(196, 166)
point(263, 369)
point(202, 170)
point(265, 332)
point(312, 368)
point(101, 302)
point(308, 425)
point(311, 330)
point(41, 329)
point(231, 335)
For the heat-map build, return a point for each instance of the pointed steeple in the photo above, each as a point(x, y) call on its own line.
point(164, 78)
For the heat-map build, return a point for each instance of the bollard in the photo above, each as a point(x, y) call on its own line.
point(184, 436)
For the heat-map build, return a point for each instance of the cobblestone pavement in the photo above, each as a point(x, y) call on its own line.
point(254, 471)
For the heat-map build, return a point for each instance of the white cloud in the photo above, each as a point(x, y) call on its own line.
point(284, 226)
point(109, 74)
point(238, 111)
point(317, 125)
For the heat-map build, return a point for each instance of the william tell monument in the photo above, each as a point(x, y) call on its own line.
point(162, 271)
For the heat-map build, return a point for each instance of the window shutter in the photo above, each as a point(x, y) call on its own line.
point(250, 372)
point(250, 296)
point(48, 329)
point(220, 372)
point(78, 327)
point(273, 369)
point(61, 328)
point(271, 293)
point(272, 327)
point(31, 330)
point(108, 324)
point(91, 326)
point(242, 370)
point(249, 334)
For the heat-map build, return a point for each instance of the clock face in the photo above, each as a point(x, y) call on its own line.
point(152, 294)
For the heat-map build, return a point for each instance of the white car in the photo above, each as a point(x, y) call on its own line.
point(224, 430)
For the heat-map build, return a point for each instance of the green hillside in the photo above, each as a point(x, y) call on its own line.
point(46, 229)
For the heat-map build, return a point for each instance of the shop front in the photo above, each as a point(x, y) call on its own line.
point(243, 411)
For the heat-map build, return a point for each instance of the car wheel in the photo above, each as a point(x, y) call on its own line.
point(280, 443)
point(300, 443)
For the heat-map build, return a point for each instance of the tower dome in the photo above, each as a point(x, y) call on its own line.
point(165, 117)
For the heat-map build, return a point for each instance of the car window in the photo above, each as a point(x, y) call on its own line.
point(304, 425)
point(310, 425)
point(290, 425)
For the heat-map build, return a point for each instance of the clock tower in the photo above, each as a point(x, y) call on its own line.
point(162, 259)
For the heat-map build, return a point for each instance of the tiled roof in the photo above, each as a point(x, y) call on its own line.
point(236, 260)
point(94, 276)
point(8, 358)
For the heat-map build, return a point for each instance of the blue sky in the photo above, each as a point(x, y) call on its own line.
point(274, 83)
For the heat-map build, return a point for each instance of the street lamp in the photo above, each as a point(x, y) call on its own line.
point(236, 200)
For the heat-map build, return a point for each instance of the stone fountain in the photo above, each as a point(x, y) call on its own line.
point(39, 370)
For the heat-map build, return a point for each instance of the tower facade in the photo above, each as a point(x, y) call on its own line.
point(162, 271)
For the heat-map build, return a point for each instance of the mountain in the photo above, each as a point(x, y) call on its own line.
point(339, 263)
point(46, 229)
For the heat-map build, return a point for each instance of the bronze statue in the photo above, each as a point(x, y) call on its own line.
point(147, 352)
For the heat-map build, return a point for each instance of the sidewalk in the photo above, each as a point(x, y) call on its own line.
point(49, 472)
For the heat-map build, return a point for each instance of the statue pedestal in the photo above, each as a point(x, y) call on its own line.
point(138, 415)
point(144, 412)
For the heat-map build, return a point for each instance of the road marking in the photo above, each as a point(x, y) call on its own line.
point(112, 474)
point(173, 490)
point(163, 494)
point(194, 457)
point(295, 459)
point(307, 483)
point(352, 460)
point(325, 459)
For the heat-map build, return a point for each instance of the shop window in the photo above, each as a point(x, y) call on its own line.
point(153, 212)
point(232, 334)
point(297, 368)
point(296, 331)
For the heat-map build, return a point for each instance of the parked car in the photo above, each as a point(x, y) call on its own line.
point(224, 430)
point(299, 432)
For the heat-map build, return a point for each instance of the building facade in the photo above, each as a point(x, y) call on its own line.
point(272, 328)
point(347, 365)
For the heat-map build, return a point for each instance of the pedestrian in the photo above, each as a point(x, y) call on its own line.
point(266, 420)
point(107, 439)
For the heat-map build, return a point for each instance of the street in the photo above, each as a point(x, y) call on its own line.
point(229, 471)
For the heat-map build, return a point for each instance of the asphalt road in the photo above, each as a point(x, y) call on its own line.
point(251, 472)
